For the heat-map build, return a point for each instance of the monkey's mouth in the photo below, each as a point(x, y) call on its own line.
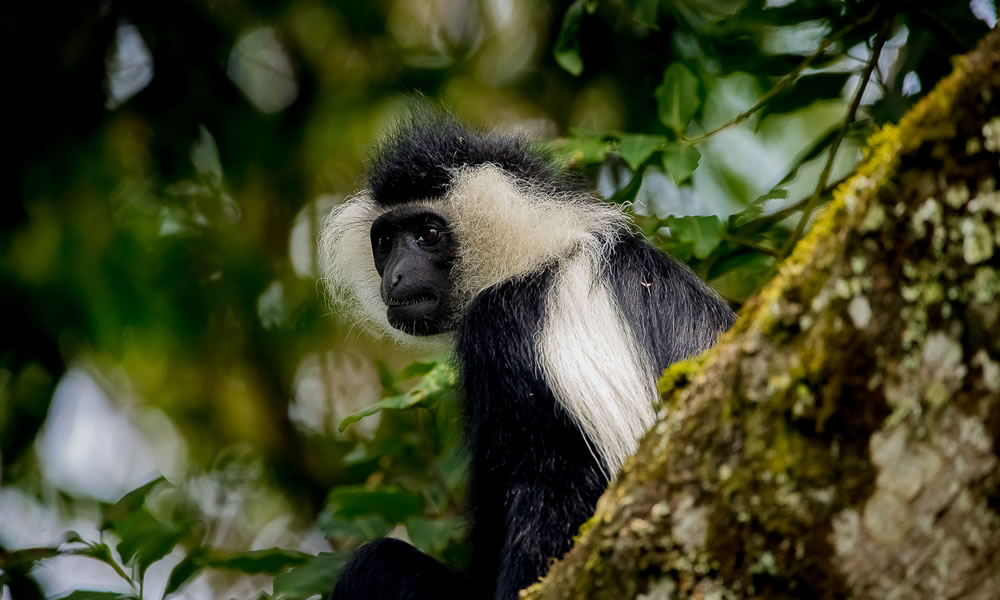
point(420, 314)
point(410, 301)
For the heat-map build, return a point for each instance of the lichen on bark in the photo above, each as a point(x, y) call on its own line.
point(841, 441)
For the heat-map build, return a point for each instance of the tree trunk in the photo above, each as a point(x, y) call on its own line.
point(842, 440)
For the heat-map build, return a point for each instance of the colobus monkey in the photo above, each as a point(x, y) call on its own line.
point(562, 317)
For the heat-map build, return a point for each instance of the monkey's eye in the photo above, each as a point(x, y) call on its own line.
point(383, 243)
point(428, 234)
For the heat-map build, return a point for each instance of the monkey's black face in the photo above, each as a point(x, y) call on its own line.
point(414, 251)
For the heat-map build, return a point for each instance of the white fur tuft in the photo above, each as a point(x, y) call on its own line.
point(593, 363)
point(507, 228)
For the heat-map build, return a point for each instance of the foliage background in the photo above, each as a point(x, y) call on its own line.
point(171, 164)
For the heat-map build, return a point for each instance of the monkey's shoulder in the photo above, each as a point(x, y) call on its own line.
point(670, 309)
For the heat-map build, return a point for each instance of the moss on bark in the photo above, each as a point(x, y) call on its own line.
point(841, 441)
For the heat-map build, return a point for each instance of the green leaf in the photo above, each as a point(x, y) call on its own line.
point(386, 378)
point(270, 561)
point(439, 381)
point(392, 502)
point(315, 577)
point(432, 536)
point(582, 149)
point(748, 215)
point(682, 251)
point(453, 465)
point(145, 539)
point(131, 500)
point(755, 209)
point(645, 11)
point(739, 276)
point(680, 161)
point(628, 193)
point(567, 48)
point(392, 402)
point(416, 369)
point(677, 97)
point(368, 527)
point(72, 537)
point(254, 562)
point(183, 572)
point(637, 148)
point(819, 145)
point(704, 232)
point(806, 90)
point(775, 194)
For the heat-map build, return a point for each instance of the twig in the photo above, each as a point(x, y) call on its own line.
point(751, 244)
point(813, 200)
point(786, 81)
point(781, 214)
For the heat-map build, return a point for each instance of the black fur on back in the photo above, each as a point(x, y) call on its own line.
point(417, 158)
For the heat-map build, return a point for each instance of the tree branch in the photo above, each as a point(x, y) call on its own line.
point(813, 200)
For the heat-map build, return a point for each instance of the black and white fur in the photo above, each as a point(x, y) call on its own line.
point(565, 318)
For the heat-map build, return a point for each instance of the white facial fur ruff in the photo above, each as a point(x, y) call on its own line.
point(349, 267)
point(506, 229)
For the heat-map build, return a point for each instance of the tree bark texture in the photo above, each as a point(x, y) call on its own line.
point(842, 440)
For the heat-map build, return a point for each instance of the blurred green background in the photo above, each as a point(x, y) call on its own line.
point(170, 167)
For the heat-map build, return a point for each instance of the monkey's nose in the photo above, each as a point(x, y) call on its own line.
point(390, 282)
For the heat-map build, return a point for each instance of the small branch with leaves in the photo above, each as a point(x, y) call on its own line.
point(785, 81)
point(821, 183)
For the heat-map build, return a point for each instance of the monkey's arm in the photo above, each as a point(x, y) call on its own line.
point(543, 515)
point(534, 479)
